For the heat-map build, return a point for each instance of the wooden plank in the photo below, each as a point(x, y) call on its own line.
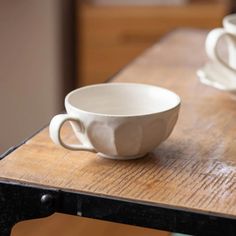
point(111, 36)
point(193, 170)
point(65, 225)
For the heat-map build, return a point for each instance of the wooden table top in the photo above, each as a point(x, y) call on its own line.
point(194, 169)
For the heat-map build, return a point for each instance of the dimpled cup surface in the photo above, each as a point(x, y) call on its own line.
point(124, 134)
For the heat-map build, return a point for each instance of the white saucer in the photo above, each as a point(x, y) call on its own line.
point(217, 76)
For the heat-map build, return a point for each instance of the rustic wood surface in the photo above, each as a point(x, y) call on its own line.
point(194, 169)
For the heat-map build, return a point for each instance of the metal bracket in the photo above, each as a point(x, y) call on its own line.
point(23, 203)
point(20, 202)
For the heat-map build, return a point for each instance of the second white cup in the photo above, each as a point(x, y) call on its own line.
point(229, 33)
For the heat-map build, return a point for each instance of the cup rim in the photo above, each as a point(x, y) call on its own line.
point(227, 21)
point(68, 104)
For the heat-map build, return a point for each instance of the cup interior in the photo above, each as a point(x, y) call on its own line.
point(122, 99)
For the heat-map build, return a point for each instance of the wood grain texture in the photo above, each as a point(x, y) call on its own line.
point(193, 170)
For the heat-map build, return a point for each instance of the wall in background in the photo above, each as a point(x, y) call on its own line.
point(32, 65)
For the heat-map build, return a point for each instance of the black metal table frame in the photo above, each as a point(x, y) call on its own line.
point(21, 201)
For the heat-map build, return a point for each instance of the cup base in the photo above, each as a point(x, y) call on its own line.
point(123, 158)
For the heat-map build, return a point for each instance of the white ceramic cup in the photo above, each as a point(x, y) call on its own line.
point(118, 120)
point(229, 32)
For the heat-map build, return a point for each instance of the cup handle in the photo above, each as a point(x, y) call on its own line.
point(55, 132)
point(211, 45)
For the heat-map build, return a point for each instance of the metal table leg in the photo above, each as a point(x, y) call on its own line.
point(18, 204)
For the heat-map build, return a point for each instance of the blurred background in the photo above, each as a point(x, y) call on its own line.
point(49, 47)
